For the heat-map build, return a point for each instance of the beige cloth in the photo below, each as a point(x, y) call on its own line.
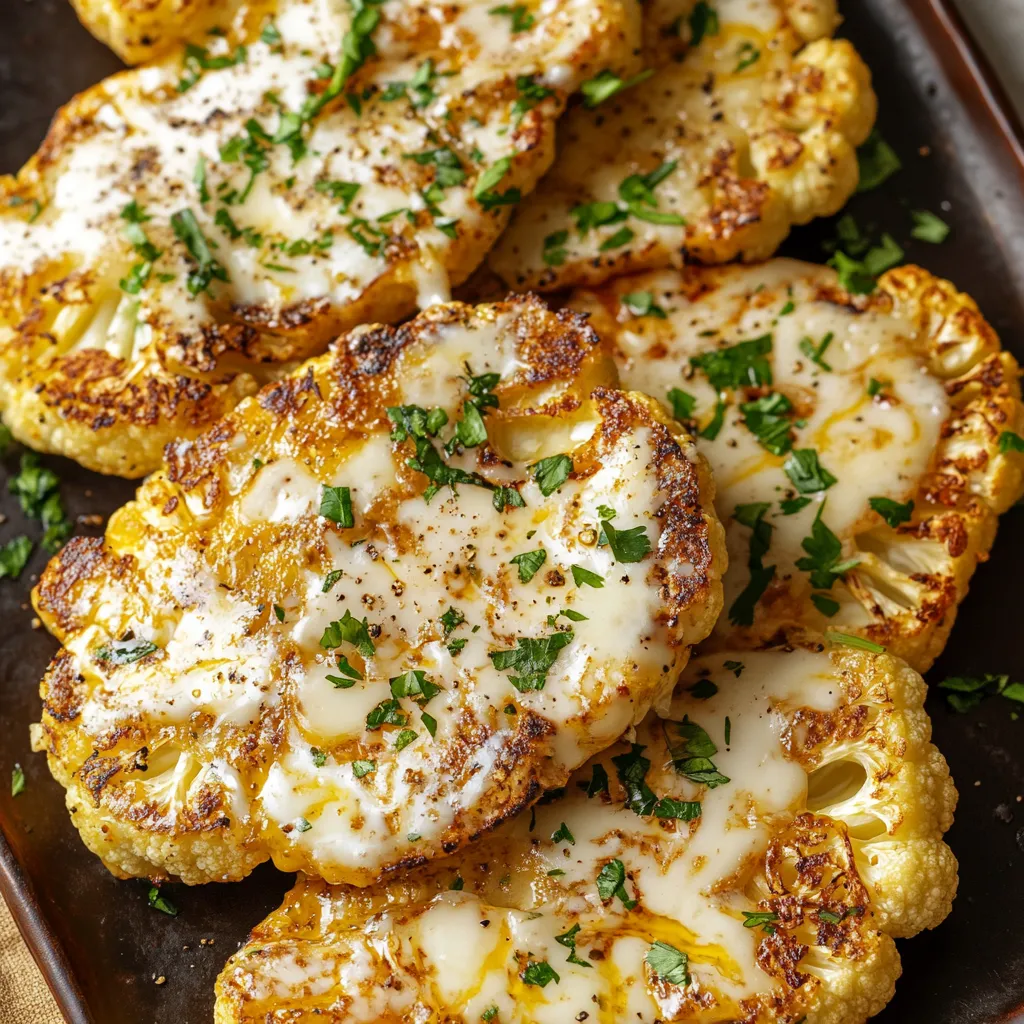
point(24, 997)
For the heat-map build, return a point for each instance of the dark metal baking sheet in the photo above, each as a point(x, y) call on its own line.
point(99, 944)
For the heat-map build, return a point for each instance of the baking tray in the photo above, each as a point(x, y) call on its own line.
point(102, 948)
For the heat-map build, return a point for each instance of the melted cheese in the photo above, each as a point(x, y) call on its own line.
point(874, 446)
point(456, 954)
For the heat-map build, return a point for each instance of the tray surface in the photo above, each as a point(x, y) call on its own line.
point(103, 948)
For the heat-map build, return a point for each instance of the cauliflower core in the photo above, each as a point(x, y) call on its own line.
point(367, 616)
point(855, 439)
point(190, 226)
point(751, 855)
point(752, 129)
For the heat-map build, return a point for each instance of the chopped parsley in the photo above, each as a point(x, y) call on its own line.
point(768, 420)
point(877, 161)
point(17, 780)
point(483, 191)
point(451, 620)
point(824, 555)
point(584, 577)
point(740, 365)
point(611, 882)
point(507, 497)
point(568, 939)
point(608, 84)
point(429, 723)
point(448, 171)
point(14, 556)
point(521, 19)
point(816, 352)
point(643, 304)
point(598, 781)
point(563, 835)
point(125, 652)
point(668, 963)
point(279, 612)
point(187, 230)
point(348, 676)
point(850, 640)
point(703, 22)
point(692, 752)
point(361, 768)
point(160, 902)
point(336, 505)
point(531, 658)
point(620, 238)
point(1010, 442)
point(387, 712)
point(344, 191)
point(703, 689)
point(966, 692)
point(790, 506)
point(637, 192)
point(318, 756)
point(330, 579)
point(404, 738)
point(529, 562)
point(712, 430)
point(748, 54)
point(539, 973)
point(37, 489)
point(414, 684)
point(197, 59)
point(893, 512)
point(763, 919)
point(551, 473)
point(928, 227)
point(554, 252)
point(349, 629)
point(735, 667)
point(682, 402)
point(627, 545)
point(807, 474)
point(741, 612)
point(826, 605)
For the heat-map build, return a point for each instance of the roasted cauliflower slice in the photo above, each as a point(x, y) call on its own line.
point(711, 159)
point(366, 617)
point(750, 856)
point(139, 30)
point(856, 440)
point(189, 227)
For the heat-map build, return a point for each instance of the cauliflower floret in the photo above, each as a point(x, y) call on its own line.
point(713, 158)
point(192, 227)
point(366, 617)
point(856, 440)
point(717, 866)
point(138, 30)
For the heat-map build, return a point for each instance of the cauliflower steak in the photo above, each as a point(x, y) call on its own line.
point(750, 857)
point(856, 440)
point(380, 607)
point(711, 159)
point(190, 226)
